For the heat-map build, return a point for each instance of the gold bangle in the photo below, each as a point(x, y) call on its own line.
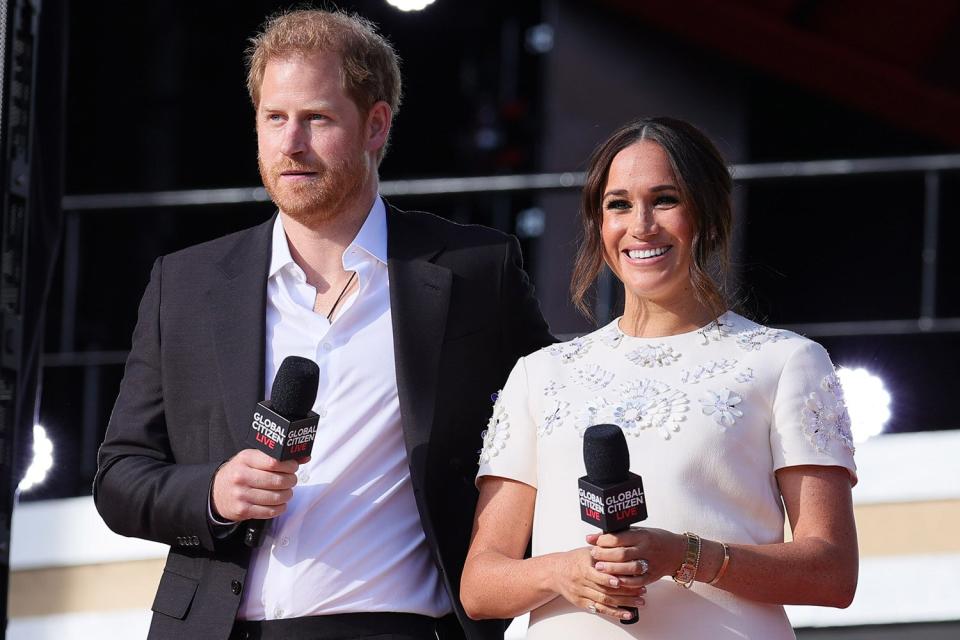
point(687, 572)
point(723, 567)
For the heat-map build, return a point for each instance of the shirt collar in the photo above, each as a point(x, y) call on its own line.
point(372, 238)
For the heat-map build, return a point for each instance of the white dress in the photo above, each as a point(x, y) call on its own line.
point(709, 417)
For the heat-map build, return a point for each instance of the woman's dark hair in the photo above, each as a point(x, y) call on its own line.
point(705, 184)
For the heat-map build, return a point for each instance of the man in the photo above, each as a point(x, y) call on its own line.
point(413, 322)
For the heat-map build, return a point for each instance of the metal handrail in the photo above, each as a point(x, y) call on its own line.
point(515, 182)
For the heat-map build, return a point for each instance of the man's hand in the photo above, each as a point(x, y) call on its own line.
point(252, 485)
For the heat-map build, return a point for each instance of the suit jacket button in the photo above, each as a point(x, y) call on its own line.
point(236, 587)
point(195, 540)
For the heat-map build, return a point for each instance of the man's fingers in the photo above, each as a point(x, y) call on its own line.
point(259, 460)
point(261, 512)
point(259, 497)
point(269, 481)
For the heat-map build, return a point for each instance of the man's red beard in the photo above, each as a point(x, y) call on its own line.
point(318, 198)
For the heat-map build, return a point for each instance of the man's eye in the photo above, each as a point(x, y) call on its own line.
point(618, 204)
point(318, 116)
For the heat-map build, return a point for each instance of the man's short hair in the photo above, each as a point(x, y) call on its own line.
point(370, 68)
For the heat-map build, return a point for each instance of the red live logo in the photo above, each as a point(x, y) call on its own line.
point(627, 513)
point(265, 440)
point(297, 448)
point(593, 514)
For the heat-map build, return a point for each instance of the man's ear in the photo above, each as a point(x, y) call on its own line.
point(377, 129)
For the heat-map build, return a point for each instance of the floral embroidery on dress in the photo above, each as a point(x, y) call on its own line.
point(554, 413)
point(552, 388)
point(706, 370)
point(570, 351)
point(715, 331)
point(722, 405)
point(653, 355)
point(593, 377)
point(611, 335)
point(754, 339)
point(495, 436)
point(646, 404)
point(592, 413)
point(744, 376)
point(824, 417)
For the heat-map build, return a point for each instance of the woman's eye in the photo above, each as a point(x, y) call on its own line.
point(618, 204)
point(666, 201)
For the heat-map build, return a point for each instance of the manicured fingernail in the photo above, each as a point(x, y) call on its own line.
point(626, 615)
point(614, 582)
point(643, 589)
point(640, 602)
point(600, 566)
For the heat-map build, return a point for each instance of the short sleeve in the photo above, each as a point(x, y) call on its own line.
point(510, 441)
point(811, 425)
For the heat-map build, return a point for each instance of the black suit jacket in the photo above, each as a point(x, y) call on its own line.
point(463, 312)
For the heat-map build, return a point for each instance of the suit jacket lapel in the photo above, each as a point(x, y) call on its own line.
point(236, 307)
point(419, 300)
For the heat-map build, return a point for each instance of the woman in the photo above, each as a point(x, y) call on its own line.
point(727, 422)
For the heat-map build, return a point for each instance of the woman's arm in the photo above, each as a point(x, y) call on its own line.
point(819, 566)
point(498, 583)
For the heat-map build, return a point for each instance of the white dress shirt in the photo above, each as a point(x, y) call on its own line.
point(350, 539)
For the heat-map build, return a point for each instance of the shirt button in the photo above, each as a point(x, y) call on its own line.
point(327, 347)
point(304, 477)
point(278, 613)
point(236, 587)
point(322, 412)
point(284, 541)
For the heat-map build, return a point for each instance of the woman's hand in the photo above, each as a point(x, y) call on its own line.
point(585, 587)
point(637, 556)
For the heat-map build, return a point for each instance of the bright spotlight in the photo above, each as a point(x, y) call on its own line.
point(868, 402)
point(410, 5)
point(42, 459)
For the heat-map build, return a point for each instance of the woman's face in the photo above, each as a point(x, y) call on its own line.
point(647, 227)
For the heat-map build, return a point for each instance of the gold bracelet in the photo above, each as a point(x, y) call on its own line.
point(723, 567)
point(687, 572)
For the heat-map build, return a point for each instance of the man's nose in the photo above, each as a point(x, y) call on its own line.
point(294, 138)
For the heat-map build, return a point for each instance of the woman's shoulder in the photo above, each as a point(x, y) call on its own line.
point(574, 349)
point(749, 336)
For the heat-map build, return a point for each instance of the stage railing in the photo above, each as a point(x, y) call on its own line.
point(931, 166)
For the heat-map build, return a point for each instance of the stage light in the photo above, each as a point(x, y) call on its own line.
point(868, 401)
point(410, 5)
point(42, 460)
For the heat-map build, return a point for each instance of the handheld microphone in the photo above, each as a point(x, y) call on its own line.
point(284, 427)
point(611, 497)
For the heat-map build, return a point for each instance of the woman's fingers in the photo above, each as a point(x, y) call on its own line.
point(638, 567)
point(612, 605)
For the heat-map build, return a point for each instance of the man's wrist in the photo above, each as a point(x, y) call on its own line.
point(213, 515)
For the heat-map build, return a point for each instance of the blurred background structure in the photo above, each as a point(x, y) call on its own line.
point(841, 119)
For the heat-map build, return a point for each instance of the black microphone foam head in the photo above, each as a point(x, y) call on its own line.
point(605, 454)
point(295, 387)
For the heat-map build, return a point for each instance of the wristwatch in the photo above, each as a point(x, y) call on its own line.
point(687, 572)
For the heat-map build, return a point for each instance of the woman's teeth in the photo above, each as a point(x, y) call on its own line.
point(639, 254)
